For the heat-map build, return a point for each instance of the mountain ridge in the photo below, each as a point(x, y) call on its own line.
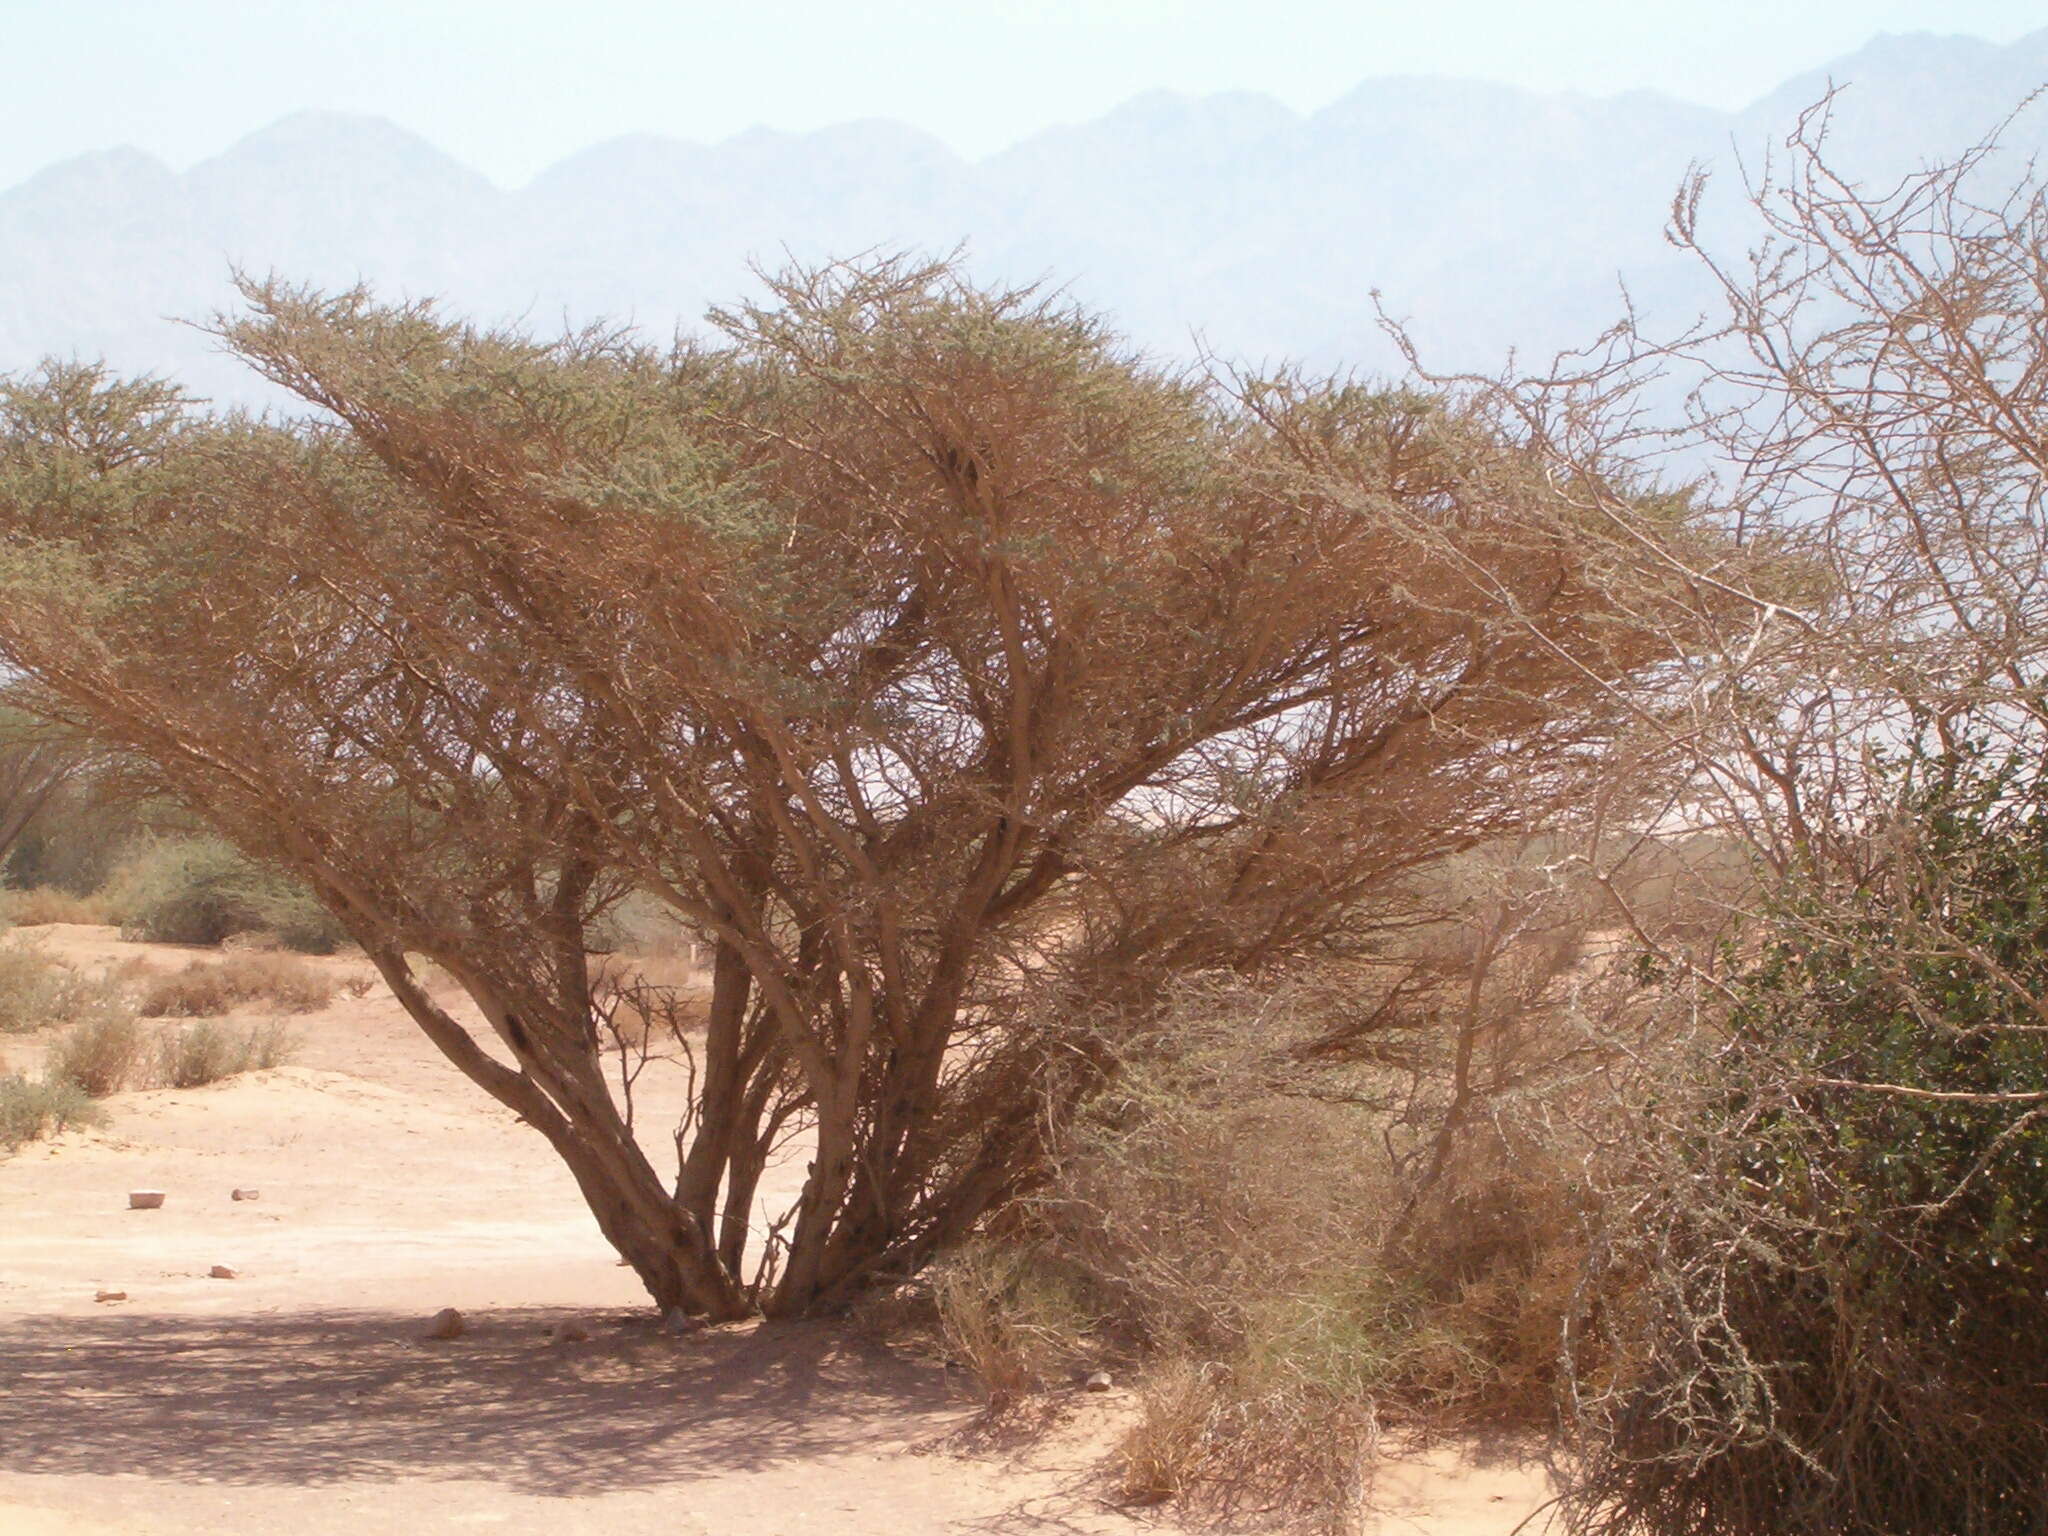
point(1491, 215)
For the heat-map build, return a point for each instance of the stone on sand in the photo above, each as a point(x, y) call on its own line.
point(447, 1324)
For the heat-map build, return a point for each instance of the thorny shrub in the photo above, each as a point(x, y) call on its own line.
point(1818, 1308)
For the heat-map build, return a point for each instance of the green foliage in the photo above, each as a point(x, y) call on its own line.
point(200, 890)
point(33, 1108)
point(1927, 985)
point(1834, 1320)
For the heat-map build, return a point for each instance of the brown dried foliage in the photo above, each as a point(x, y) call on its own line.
point(209, 988)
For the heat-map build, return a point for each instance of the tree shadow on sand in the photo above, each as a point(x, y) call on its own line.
point(323, 1397)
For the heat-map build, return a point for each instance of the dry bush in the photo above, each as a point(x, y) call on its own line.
point(32, 1108)
point(196, 1055)
point(208, 1051)
point(1353, 1194)
point(209, 988)
point(1267, 1217)
point(643, 1007)
point(268, 1045)
point(47, 904)
point(101, 1054)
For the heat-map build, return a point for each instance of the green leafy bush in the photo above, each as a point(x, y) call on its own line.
point(1825, 1313)
point(199, 890)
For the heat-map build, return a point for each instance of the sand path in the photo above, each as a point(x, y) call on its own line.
point(300, 1396)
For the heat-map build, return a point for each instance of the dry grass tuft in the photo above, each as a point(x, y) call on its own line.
point(1014, 1319)
point(646, 1003)
point(209, 988)
point(1161, 1452)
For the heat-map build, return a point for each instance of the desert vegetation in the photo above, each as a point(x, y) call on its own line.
point(95, 1022)
point(1370, 909)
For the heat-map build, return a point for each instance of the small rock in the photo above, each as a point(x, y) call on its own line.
point(677, 1321)
point(222, 1272)
point(111, 1296)
point(1098, 1381)
point(145, 1199)
point(569, 1331)
point(447, 1324)
point(247, 1194)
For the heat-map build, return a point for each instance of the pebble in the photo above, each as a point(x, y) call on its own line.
point(247, 1194)
point(111, 1296)
point(145, 1199)
point(1098, 1381)
point(447, 1324)
point(222, 1272)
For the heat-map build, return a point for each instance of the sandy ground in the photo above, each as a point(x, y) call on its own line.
point(302, 1396)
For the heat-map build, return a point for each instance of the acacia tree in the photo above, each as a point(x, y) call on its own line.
point(959, 674)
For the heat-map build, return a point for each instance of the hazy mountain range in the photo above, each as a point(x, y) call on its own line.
point(1490, 216)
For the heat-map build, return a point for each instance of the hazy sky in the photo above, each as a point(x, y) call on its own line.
point(512, 85)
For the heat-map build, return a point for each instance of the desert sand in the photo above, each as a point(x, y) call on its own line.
point(301, 1395)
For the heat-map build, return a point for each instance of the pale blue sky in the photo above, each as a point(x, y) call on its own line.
point(511, 86)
